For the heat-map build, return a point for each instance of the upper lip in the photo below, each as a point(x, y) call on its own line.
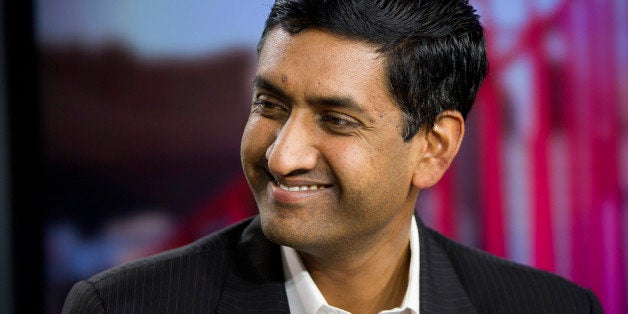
point(292, 181)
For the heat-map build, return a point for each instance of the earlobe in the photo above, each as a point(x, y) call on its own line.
point(442, 144)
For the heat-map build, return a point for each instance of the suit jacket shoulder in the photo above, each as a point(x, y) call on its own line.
point(238, 270)
point(496, 285)
point(206, 276)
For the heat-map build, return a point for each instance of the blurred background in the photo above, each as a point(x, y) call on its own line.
point(121, 124)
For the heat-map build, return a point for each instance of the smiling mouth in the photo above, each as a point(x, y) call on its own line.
point(313, 187)
point(294, 188)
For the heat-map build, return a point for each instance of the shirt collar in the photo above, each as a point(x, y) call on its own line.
point(304, 296)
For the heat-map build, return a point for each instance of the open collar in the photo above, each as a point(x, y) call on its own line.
point(254, 279)
point(304, 295)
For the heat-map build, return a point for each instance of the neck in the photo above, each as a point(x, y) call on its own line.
point(368, 281)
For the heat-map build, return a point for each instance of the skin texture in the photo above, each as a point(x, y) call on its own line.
point(322, 115)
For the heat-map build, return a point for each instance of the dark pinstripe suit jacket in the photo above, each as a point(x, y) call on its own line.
point(238, 270)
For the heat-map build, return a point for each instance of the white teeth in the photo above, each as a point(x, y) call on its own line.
point(299, 188)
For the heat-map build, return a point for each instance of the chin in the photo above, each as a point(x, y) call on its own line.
point(287, 233)
point(277, 231)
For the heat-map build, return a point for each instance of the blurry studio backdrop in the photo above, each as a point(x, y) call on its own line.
point(142, 104)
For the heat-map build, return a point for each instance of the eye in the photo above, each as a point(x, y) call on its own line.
point(269, 108)
point(339, 122)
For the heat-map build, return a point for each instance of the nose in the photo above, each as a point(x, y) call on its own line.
point(293, 151)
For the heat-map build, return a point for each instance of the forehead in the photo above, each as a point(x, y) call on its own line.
point(318, 62)
point(278, 40)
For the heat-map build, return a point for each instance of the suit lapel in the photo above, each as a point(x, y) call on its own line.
point(440, 288)
point(254, 279)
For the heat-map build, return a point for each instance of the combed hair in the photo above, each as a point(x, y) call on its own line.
point(435, 50)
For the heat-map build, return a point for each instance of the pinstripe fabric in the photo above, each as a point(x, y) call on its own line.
point(492, 285)
point(238, 270)
point(233, 271)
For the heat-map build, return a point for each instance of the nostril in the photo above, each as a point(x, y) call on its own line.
point(297, 172)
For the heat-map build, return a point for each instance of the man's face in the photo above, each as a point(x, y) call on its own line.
point(323, 150)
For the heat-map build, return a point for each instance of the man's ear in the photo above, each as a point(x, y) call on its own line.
point(441, 144)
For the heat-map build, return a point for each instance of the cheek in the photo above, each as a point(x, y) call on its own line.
point(356, 167)
point(384, 171)
point(257, 136)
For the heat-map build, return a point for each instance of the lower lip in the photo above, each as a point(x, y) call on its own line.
point(293, 197)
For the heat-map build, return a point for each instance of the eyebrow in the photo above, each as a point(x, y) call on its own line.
point(337, 102)
point(342, 102)
point(263, 83)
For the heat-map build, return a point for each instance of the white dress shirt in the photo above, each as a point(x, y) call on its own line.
point(304, 297)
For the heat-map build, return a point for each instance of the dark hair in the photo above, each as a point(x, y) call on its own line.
point(435, 50)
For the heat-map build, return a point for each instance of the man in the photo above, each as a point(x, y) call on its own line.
point(357, 107)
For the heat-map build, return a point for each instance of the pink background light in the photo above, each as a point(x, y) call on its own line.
point(143, 106)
